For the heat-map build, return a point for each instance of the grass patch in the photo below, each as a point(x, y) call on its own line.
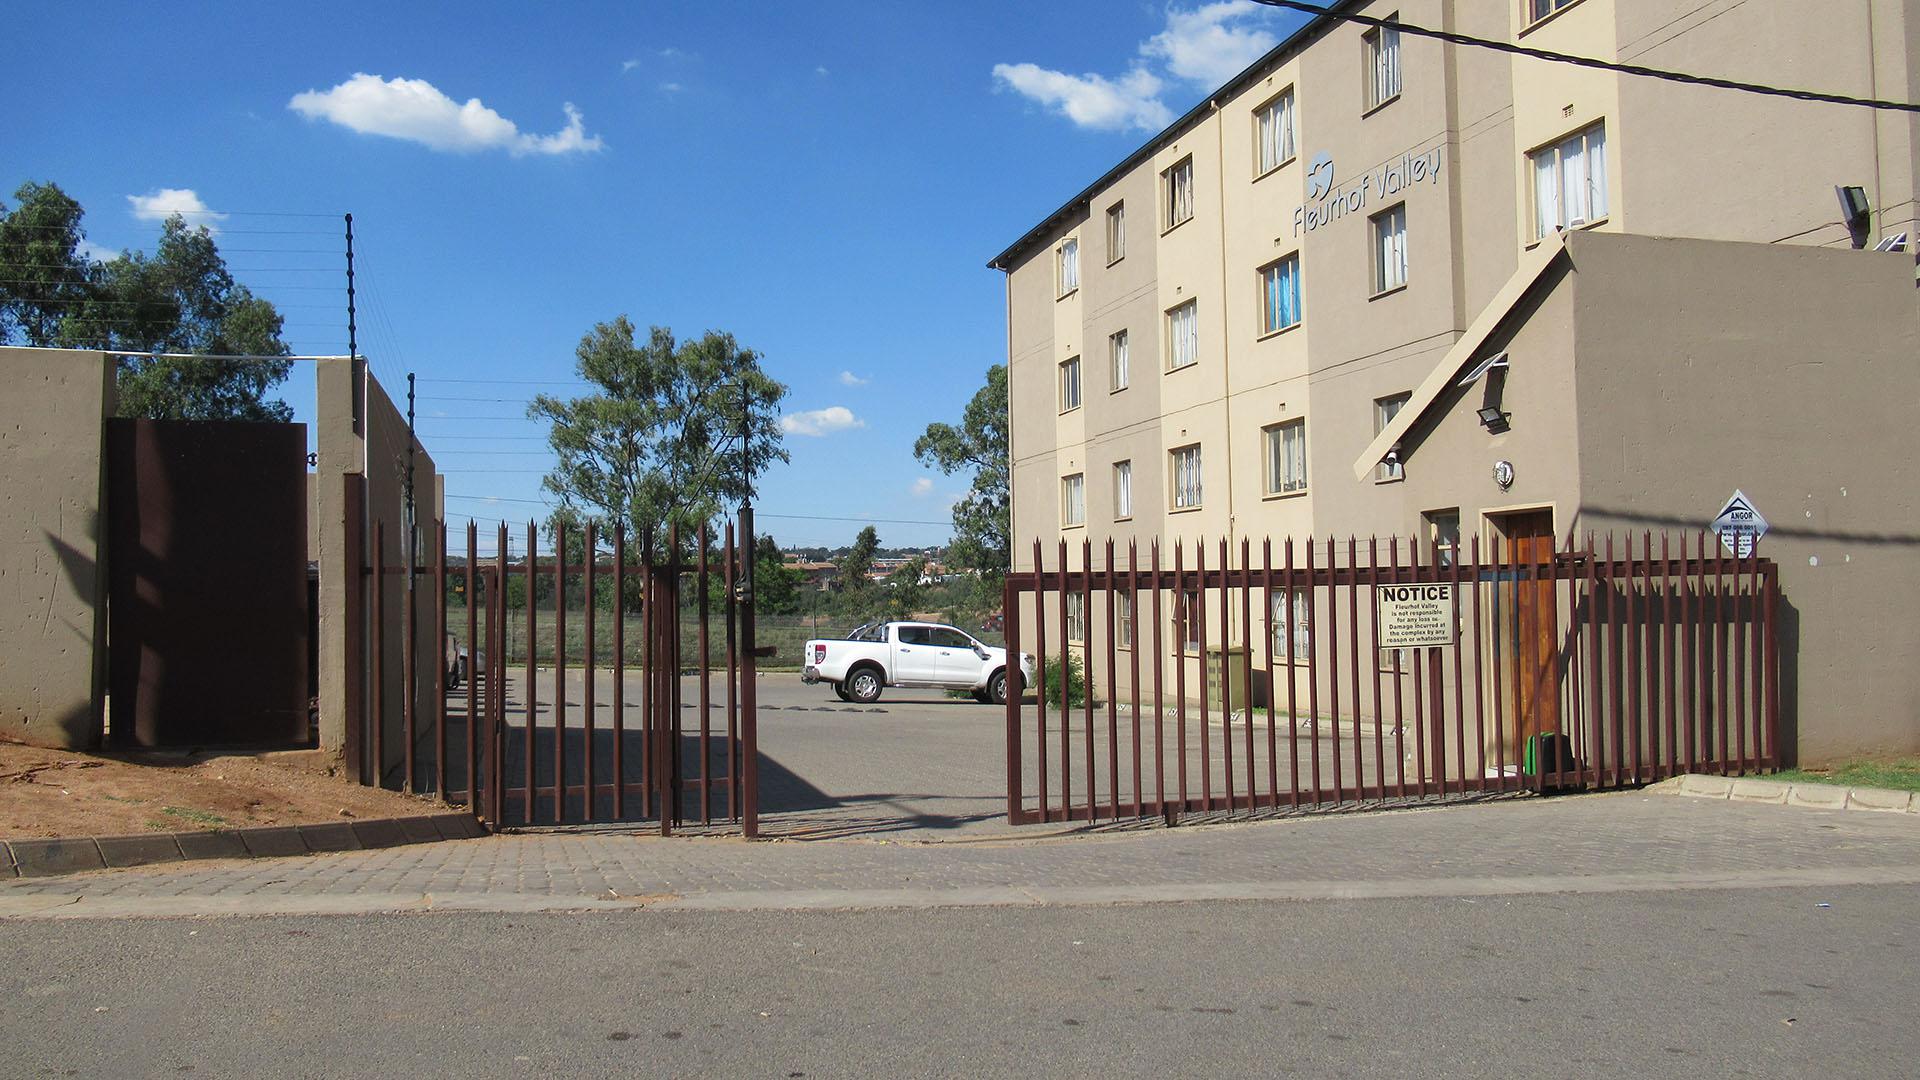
point(1898, 774)
point(198, 817)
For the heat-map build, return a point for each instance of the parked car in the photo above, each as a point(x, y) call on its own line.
point(459, 663)
point(914, 654)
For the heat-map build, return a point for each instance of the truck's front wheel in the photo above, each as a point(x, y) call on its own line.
point(863, 686)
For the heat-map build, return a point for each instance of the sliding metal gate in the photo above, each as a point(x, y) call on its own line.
point(570, 687)
point(1603, 666)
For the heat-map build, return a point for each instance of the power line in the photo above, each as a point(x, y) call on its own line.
point(1591, 62)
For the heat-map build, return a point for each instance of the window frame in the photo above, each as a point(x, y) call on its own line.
point(1432, 522)
point(1185, 601)
point(1116, 229)
point(1269, 489)
point(1074, 628)
point(1292, 141)
point(1295, 618)
point(1122, 620)
point(1260, 279)
point(1556, 147)
point(1174, 494)
point(1191, 305)
point(1169, 206)
point(1528, 18)
point(1066, 282)
point(1380, 285)
point(1383, 473)
point(1123, 490)
point(1068, 488)
point(1372, 43)
point(1078, 384)
point(1119, 360)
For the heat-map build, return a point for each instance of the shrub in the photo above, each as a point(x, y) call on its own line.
point(1072, 688)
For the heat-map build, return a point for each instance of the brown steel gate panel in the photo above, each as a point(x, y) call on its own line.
point(207, 575)
point(1616, 663)
point(570, 707)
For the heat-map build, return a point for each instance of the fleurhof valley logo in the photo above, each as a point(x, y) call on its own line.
point(1327, 202)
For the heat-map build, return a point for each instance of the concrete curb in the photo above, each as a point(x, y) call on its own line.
point(1774, 792)
point(73, 855)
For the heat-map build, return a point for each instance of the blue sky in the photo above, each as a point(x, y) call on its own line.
point(825, 180)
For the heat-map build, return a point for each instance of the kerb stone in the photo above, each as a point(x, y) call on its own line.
point(1866, 798)
point(1747, 789)
point(1818, 796)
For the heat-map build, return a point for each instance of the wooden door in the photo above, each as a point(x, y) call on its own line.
point(1535, 626)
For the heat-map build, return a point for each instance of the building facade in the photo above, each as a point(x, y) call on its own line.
point(1216, 339)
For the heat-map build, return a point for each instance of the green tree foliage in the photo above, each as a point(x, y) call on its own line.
point(776, 586)
point(978, 445)
point(656, 443)
point(180, 300)
point(857, 597)
point(904, 595)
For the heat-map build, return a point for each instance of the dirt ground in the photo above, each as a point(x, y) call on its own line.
point(46, 793)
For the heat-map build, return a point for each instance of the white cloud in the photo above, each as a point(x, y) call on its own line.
point(848, 378)
point(923, 487)
point(1091, 101)
point(628, 65)
point(1212, 43)
point(819, 422)
point(821, 71)
point(96, 252)
point(1208, 45)
point(162, 203)
point(671, 87)
point(416, 110)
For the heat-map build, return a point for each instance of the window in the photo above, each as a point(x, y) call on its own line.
point(1287, 457)
point(1273, 134)
point(1117, 352)
point(1122, 621)
point(1390, 249)
point(1540, 9)
point(1186, 477)
point(1280, 295)
point(1076, 617)
point(1289, 632)
point(1069, 266)
point(1384, 410)
point(1383, 64)
point(1122, 490)
point(1070, 384)
point(946, 637)
point(1183, 336)
point(1570, 182)
point(1188, 617)
point(916, 635)
point(1443, 533)
point(1176, 186)
point(1073, 500)
point(1116, 232)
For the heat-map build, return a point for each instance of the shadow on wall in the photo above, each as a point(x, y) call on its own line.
point(82, 723)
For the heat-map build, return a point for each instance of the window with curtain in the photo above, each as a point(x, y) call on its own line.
point(1122, 490)
point(1273, 134)
point(1117, 352)
point(1280, 295)
point(1070, 385)
point(1384, 410)
point(1069, 266)
point(1189, 615)
point(1122, 620)
point(1540, 9)
point(1116, 232)
point(1183, 336)
point(1570, 182)
point(1076, 618)
point(1177, 186)
point(1443, 533)
point(1390, 249)
point(1073, 499)
point(1287, 457)
point(1383, 64)
point(1288, 623)
point(1185, 470)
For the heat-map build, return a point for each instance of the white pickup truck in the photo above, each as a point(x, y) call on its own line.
point(910, 654)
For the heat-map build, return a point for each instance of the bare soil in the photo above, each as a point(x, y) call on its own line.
point(49, 793)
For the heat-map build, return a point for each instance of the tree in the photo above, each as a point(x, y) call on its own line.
point(906, 596)
point(776, 586)
point(981, 524)
point(852, 570)
point(182, 300)
point(656, 444)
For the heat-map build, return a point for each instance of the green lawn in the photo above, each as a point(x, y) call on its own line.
point(1898, 774)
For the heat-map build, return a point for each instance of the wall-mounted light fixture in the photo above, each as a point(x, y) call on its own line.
point(1855, 213)
point(1495, 421)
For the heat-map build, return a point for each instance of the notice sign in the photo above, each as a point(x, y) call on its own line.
point(1415, 616)
point(1739, 526)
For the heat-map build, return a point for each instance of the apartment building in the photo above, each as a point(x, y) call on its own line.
point(1263, 322)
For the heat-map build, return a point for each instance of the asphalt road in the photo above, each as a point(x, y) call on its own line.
point(1721, 983)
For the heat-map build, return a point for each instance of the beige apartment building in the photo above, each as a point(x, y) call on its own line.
point(1285, 314)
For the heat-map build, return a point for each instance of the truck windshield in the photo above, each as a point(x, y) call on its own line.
point(870, 632)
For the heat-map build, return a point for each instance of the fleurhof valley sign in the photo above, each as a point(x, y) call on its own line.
point(1328, 202)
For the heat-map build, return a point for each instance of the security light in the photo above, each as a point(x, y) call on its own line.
point(1493, 420)
point(1855, 213)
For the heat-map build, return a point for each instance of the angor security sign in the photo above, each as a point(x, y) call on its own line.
point(1739, 526)
point(1415, 616)
point(1327, 201)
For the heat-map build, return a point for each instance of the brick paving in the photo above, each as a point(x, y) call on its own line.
point(1634, 835)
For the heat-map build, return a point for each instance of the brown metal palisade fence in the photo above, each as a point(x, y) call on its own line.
point(589, 680)
point(1610, 663)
